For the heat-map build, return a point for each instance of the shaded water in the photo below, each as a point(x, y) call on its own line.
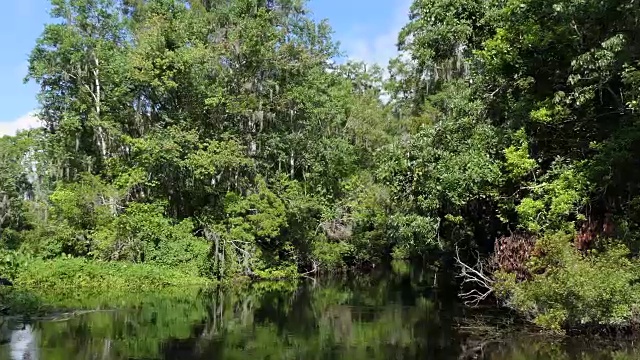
point(383, 316)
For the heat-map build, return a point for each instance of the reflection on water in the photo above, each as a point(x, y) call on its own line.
point(22, 343)
point(400, 316)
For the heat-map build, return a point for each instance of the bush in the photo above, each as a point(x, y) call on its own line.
point(78, 275)
point(569, 290)
point(11, 262)
point(330, 255)
point(144, 234)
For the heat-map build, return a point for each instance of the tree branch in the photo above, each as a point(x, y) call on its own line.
point(474, 275)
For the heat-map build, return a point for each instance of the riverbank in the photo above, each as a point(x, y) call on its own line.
point(78, 273)
point(381, 315)
point(77, 283)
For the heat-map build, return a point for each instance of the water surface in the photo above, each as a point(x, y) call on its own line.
point(388, 315)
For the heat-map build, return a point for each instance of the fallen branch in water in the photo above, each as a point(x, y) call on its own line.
point(314, 270)
point(474, 275)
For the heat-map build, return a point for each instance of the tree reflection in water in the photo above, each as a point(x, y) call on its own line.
point(380, 316)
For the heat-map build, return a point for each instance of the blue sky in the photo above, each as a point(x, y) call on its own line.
point(366, 29)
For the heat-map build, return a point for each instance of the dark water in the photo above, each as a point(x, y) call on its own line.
point(392, 315)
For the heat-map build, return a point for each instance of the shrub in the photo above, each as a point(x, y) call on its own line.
point(569, 290)
point(144, 234)
point(11, 262)
point(512, 253)
point(330, 255)
point(78, 275)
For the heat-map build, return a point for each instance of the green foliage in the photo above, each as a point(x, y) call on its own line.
point(75, 211)
point(161, 131)
point(258, 215)
point(559, 98)
point(11, 263)
point(222, 140)
point(570, 290)
point(71, 275)
point(559, 195)
point(370, 208)
point(143, 234)
point(444, 172)
point(518, 163)
point(14, 181)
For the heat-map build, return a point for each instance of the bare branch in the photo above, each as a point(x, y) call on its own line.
point(315, 269)
point(476, 276)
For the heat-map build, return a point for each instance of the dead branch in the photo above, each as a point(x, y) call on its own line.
point(314, 270)
point(475, 276)
point(475, 349)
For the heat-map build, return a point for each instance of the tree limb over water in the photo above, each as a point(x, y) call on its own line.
point(483, 284)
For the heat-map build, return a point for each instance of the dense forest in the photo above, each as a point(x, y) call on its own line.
point(200, 139)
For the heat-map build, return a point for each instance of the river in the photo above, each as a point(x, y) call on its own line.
point(401, 314)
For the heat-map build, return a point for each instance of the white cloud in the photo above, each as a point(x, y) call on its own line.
point(380, 48)
point(28, 121)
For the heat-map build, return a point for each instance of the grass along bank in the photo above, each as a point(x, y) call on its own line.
point(44, 286)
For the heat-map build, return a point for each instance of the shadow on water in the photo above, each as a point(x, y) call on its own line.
point(397, 314)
